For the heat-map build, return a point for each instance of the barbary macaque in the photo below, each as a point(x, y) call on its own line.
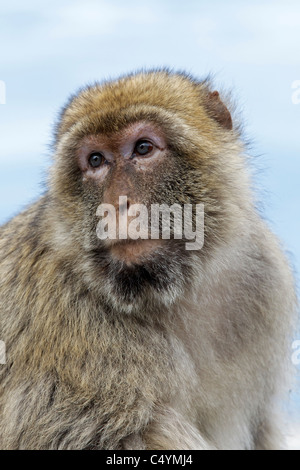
point(141, 343)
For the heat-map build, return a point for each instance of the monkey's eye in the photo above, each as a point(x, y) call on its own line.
point(143, 147)
point(96, 159)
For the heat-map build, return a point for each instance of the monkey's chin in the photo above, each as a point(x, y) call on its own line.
point(142, 275)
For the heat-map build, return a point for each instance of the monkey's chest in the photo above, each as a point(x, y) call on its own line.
point(119, 363)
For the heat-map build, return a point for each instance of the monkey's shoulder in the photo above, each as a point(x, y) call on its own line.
point(23, 228)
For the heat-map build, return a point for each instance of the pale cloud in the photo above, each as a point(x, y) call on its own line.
point(64, 28)
point(293, 439)
point(16, 6)
point(275, 34)
point(97, 18)
point(257, 33)
point(33, 141)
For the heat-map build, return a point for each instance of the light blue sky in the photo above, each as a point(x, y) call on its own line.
point(48, 49)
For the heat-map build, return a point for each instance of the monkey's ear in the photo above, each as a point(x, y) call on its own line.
point(217, 110)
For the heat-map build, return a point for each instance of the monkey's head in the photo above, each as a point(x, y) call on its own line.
point(151, 138)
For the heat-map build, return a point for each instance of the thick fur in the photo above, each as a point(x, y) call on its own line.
point(191, 353)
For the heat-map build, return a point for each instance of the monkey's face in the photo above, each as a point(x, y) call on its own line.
point(121, 152)
point(125, 175)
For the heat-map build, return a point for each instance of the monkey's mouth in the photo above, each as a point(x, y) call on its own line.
point(134, 271)
point(135, 251)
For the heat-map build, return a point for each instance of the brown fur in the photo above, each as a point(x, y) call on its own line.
point(197, 363)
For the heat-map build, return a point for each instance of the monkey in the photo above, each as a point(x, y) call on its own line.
point(126, 344)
